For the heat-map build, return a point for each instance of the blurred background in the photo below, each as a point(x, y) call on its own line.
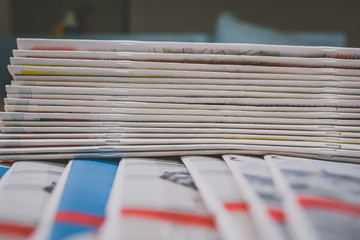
point(296, 22)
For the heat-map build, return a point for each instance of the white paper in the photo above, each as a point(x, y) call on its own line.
point(177, 93)
point(325, 154)
point(24, 193)
point(326, 151)
point(82, 128)
point(11, 116)
point(159, 73)
point(211, 87)
point(254, 179)
point(43, 229)
point(179, 66)
point(184, 112)
point(186, 47)
point(144, 127)
point(320, 197)
point(125, 104)
point(194, 58)
point(218, 188)
point(281, 140)
point(158, 197)
point(324, 81)
point(328, 86)
point(325, 102)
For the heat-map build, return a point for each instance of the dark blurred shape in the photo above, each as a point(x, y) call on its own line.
point(82, 13)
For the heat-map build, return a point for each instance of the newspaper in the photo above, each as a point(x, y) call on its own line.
point(151, 105)
point(194, 58)
point(323, 149)
point(181, 92)
point(160, 73)
point(246, 150)
point(253, 177)
point(323, 85)
point(123, 64)
point(324, 81)
point(15, 116)
point(344, 143)
point(321, 198)
point(111, 133)
point(160, 198)
point(185, 112)
point(211, 176)
point(209, 87)
point(24, 193)
point(187, 47)
point(328, 100)
point(68, 125)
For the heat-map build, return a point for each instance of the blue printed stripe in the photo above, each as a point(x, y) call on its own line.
point(86, 191)
point(3, 170)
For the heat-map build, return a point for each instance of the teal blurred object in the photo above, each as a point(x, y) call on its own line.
point(7, 44)
point(230, 29)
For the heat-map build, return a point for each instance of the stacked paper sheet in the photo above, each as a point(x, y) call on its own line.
point(193, 197)
point(90, 98)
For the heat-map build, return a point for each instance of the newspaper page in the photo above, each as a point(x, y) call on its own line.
point(254, 179)
point(113, 154)
point(24, 193)
point(33, 116)
point(195, 58)
point(324, 150)
point(218, 188)
point(328, 86)
point(68, 133)
point(157, 73)
point(327, 100)
point(324, 80)
point(344, 143)
point(123, 64)
point(121, 92)
point(160, 73)
point(129, 104)
point(320, 197)
point(159, 197)
point(174, 127)
point(187, 47)
point(186, 112)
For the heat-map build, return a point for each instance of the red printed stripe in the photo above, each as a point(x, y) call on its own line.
point(236, 206)
point(276, 213)
point(329, 203)
point(16, 230)
point(54, 48)
point(79, 218)
point(171, 216)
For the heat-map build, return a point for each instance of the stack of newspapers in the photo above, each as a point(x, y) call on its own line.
point(93, 98)
point(194, 197)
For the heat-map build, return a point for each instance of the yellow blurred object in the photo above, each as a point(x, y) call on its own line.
point(59, 29)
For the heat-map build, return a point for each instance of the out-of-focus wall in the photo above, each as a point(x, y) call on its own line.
point(292, 15)
point(5, 25)
point(39, 16)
